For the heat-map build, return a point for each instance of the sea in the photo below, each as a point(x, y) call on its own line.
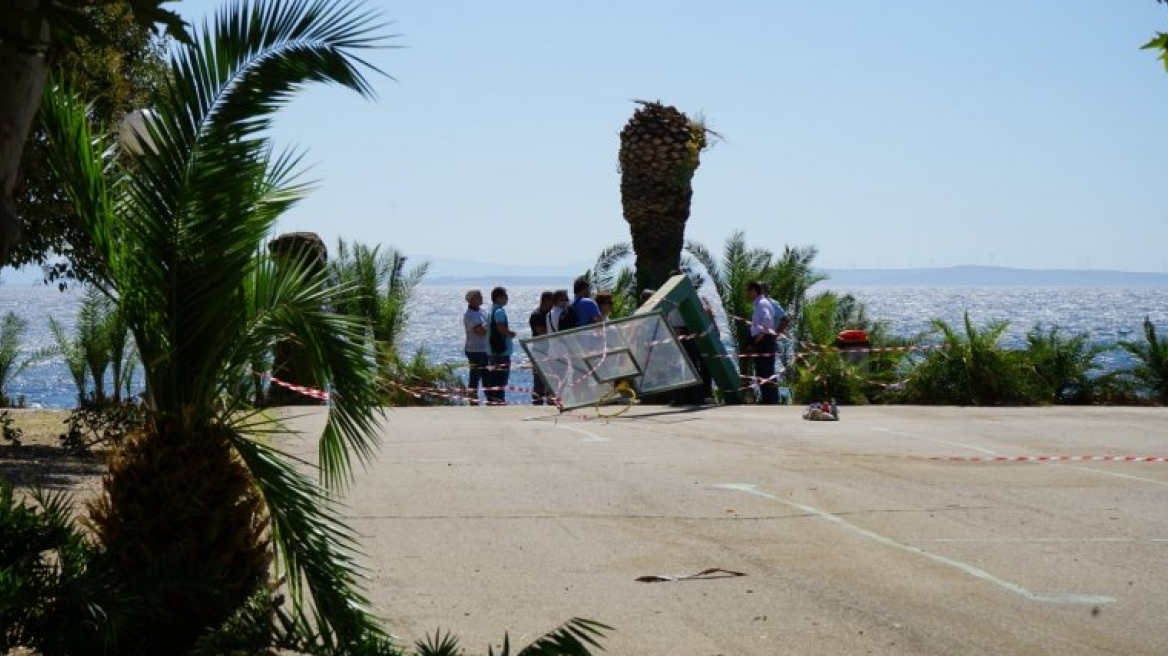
point(1107, 314)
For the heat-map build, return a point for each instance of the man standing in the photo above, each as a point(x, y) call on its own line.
point(474, 322)
point(559, 304)
point(763, 329)
point(586, 310)
point(500, 340)
point(538, 322)
point(782, 341)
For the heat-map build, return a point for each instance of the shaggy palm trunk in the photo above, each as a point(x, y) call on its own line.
point(290, 363)
point(185, 535)
point(660, 150)
point(22, 77)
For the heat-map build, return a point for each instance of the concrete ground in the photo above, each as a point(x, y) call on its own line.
point(855, 537)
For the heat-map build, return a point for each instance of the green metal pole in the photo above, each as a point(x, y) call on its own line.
point(679, 293)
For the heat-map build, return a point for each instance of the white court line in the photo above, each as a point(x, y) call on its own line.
point(1057, 598)
point(1037, 540)
point(1117, 474)
point(588, 437)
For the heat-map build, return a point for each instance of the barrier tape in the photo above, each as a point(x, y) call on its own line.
point(312, 392)
point(1043, 458)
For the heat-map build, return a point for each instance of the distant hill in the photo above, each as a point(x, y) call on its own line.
point(988, 276)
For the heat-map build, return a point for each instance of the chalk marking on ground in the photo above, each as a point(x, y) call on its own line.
point(1033, 540)
point(948, 443)
point(1118, 475)
point(1057, 598)
point(588, 437)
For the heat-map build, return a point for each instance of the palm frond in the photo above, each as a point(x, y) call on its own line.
point(290, 297)
point(314, 548)
point(576, 637)
point(439, 644)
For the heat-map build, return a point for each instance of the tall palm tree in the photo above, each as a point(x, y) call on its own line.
point(195, 508)
point(660, 151)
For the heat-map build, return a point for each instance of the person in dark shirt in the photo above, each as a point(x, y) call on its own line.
point(538, 321)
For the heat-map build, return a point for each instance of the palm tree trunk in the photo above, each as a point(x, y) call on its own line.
point(658, 229)
point(22, 78)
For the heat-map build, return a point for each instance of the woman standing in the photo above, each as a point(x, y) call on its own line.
point(474, 322)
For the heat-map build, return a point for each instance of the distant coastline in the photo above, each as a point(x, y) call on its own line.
point(957, 276)
point(453, 272)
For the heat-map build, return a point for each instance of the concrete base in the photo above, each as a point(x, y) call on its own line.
point(856, 537)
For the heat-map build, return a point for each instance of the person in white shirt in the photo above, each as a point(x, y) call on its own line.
point(764, 327)
point(559, 302)
point(474, 322)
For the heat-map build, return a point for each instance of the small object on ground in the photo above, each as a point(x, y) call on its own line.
point(820, 412)
point(712, 573)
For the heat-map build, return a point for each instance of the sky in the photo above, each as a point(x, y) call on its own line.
point(891, 134)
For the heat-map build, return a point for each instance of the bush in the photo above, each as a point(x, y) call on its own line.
point(50, 592)
point(1151, 370)
point(971, 369)
point(8, 432)
point(1063, 366)
point(433, 384)
point(105, 426)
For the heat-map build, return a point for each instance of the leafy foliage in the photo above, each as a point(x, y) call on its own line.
point(972, 369)
point(824, 372)
point(605, 276)
point(107, 426)
point(434, 383)
point(1151, 370)
point(49, 582)
point(575, 637)
point(1064, 366)
point(9, 432)
point(179, 242)
point(377, 287)
point(12, 329)
point(789, 277)
point(116, 63)
point(1159, 42)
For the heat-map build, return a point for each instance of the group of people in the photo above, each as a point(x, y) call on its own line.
point(490, 339)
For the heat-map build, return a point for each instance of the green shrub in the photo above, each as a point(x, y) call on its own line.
point(1063, 366)
point(50, 591)
point(432, 384)
point(105, 426)
point(971, 369)
point(9, 432)
point(12, 330)
point(1151, 369)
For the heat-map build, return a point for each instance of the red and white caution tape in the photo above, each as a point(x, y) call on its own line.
point(311, 392)
point(1044, 458)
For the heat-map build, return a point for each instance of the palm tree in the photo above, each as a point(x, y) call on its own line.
point(607, 274)
point(971, 369)
point(660, 151)
point(739, 265)
point(74, 356)
point(195, 508)
point(376, 286)
point(791, 276)
point(1151, 369)
point(1064, 365)
point(12, 329)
